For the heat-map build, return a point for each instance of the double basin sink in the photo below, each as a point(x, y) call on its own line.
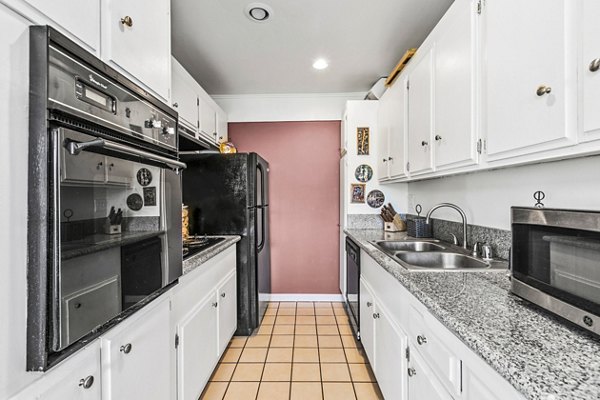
point(433, 255)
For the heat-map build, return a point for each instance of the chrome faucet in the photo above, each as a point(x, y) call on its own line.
point(461, 212)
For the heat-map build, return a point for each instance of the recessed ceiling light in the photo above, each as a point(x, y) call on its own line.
point(321, 63)
point(258, 12)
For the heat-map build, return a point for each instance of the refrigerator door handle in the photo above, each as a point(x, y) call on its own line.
point(263, 212)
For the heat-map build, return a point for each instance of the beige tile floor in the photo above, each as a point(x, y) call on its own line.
point(302, 351)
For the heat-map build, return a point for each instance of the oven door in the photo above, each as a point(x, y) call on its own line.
point(117, 231)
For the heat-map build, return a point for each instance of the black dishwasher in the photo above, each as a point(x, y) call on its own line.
point(353, 285)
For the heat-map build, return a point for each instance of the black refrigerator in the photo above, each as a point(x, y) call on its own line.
point(227, 194)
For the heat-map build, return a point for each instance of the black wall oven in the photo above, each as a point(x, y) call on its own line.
point(353, 285)
point(556, 262)
point(104, 198)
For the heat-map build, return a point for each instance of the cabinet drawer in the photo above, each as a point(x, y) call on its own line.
point(437, 353)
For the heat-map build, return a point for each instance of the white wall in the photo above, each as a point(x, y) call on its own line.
point(486, 197)
point(364, 114)
point(285, 107)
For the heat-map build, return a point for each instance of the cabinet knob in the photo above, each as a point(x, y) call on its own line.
point(223, 295)
point(424, 143)
point(375, 315)
point(438, 137)
point(215, 304)
point(86, 382)
point(542, 90)
point(412, 372)
point(175, 105)
point(100, 164)
point(369, 304)
point(127, 21)
point(390, 158)
point(595, 65)
point(385, 160)
point(126, 349)
point(421, 340)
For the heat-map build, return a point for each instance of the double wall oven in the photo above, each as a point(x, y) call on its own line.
point(104, 198)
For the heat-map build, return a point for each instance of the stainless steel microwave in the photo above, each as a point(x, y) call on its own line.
point(556, 262)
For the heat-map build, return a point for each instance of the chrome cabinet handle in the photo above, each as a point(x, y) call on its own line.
point(215, 304)
point(421, 340)
point(126, 349)
point(595, 65)
point(223, 295)
point(412, 372)
point(127, 21)
point(375, 315)
point(424, 143)
point(369, 304)
point(438, 137)
point(175, 105)
point(100, 164)
point(86, 382)
point(542, 90)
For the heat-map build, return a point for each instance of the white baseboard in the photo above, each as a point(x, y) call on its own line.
point(301, 297)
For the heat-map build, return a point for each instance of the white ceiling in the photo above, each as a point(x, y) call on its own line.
point(362, 40)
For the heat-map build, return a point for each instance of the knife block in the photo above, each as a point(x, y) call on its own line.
point(390, 227)
point(111, 229)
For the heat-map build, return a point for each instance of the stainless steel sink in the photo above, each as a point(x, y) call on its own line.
point(393, 246)
point(443, 260)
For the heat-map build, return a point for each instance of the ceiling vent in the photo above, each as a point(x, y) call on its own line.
point(258, 12)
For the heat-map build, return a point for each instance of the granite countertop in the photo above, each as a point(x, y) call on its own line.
point(196, 260)
point(536, 352)
point(99, 242)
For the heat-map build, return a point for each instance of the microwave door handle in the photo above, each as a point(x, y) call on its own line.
point(75, 148)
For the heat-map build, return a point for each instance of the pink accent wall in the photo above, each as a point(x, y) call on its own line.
point(303, 200)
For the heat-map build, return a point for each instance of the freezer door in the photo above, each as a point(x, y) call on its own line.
point(263, 250)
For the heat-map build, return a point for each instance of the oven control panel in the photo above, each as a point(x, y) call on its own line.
point(76, 89)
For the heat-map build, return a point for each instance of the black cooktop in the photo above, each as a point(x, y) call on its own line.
point(195, 244)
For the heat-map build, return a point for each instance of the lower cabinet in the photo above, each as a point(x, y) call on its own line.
point(414, 356)
point(227, 306)
point(136, 356)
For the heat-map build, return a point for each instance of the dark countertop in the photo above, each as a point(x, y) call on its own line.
point(99, 242)
point(537, 353)
point(196, 260)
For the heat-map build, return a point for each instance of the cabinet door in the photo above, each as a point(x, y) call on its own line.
point(135, 359)
point(390, 353)
point(530, 92)
point(197, 351)
point(367, 323)
point(384, 117)
point(422, 384)
point(137, 38)
point(591, 72)
point(77, 378)
point(227, 293)
point(185, 97)
point(68, 15)
point(83, 167)
point(222, 130)
point(420, 116)
point(119, 171)
point(455, 128)
point(397, 129)
point(208, 120)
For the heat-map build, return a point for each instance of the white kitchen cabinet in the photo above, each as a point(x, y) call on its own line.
point(185, 95)
point(455, 130)
point(590, 71)
point(136, 355)
point(422, 383)
point(420, 114)
point(83, 167)
point(390, 355)
point(118, 171)
point(197, 349)
point(208, 118)
point(391, 122)
point(530, 90)
point(367, 322)
point(227, 307)
point(136, 38)
point(222, 127)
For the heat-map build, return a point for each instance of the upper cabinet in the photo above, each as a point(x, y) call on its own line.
point(136, 38)
point(455, 125)
point(590, 70)
point(185, 97)
point(391, 121)
point(529, 76)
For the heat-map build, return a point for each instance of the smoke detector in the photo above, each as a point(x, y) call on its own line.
point(258, 12)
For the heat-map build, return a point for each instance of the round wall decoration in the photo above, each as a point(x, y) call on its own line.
point(375, 198)
point(135, 202)
point(363, 173)
point(144, 176)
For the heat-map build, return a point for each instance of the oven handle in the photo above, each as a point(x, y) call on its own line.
point(75, 148)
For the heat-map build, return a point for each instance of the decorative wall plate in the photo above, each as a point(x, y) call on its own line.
point(144, 176)
point(363, 173)
point(375, 198)
point(135, 202)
